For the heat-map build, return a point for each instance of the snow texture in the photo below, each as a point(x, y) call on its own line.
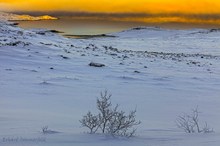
point(45, 80)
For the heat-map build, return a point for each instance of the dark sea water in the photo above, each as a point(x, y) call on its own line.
point(79, 26)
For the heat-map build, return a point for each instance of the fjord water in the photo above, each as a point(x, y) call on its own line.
point(79, 26)
point(94, 26)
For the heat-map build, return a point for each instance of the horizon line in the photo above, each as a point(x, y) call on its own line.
point(127, 16)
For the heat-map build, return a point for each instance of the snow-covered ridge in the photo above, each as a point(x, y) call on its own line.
point(144, 32)
point(13, 17)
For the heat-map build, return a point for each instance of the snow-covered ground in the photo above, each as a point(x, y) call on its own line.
point(10, 16)
point(45, 80)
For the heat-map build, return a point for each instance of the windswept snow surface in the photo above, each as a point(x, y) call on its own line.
point(45, 80)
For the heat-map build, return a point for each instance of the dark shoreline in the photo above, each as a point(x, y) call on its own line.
point(88, 36)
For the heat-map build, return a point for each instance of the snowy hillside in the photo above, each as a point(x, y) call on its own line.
point(9, 16)
point(195, 41)
point(45, 80)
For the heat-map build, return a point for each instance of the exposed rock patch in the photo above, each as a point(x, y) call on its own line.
point(93, 64)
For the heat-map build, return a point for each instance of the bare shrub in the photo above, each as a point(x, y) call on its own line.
point(184, 122)
point(90, 121)
point(44, 129)
point(190, 123)
point(207, 129)
point(110, 120)
point(122, 125)
point(106, 112)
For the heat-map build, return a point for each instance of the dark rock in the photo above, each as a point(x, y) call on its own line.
point(41, 32)
point(125, 57)
point(113, 54)
point(64, 57)
point(137, 71)
point(8, 69)
point(93, 64)
point(55, 31)
point(34, 70)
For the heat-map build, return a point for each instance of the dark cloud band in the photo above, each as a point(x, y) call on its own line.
point(201, 17)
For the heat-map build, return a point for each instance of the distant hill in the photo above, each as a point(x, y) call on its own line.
point(10, 16)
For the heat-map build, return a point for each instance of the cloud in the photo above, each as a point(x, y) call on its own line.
point(117, 6)
point(192, 11)
point(206, 17)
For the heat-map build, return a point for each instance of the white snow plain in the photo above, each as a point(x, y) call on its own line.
point(45, 80)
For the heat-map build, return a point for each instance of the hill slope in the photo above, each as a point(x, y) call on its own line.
point(45, 79)
point(9, 16)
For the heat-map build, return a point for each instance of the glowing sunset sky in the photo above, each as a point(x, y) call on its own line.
point(153, 6)
point(177, 10)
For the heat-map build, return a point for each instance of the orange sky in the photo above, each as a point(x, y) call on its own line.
point(113, 6)
point(175, 10)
